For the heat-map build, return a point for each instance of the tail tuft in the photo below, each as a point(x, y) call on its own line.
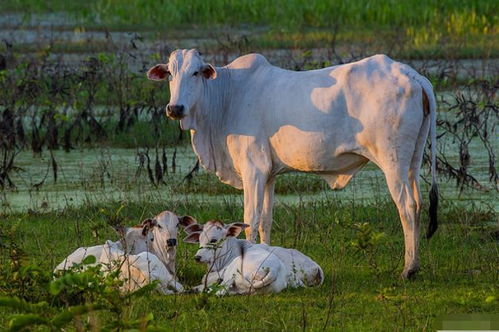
point(433, 225)
point(430, 108)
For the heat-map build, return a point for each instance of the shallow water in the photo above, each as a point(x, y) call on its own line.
point(89, 176)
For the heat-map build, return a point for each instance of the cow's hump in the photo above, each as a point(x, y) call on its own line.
point(249, 61)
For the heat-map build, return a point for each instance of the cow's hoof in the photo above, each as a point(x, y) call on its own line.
point(409, 273)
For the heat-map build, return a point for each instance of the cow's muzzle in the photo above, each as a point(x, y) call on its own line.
point(171, 242)
point(175, 112)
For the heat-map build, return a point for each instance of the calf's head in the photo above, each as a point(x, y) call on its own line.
point(157, 235)
point(211, 238)
point(187, 73)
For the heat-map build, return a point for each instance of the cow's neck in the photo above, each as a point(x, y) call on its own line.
point(209, 127)
point(165, 255)
point(230, 250)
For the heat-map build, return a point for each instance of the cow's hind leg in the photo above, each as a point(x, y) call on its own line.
point(404, 196)
point(410, 204)
point(415, 166)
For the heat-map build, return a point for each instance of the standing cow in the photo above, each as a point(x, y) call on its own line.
point(251, 121)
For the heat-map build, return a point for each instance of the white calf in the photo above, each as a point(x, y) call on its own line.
point(237, 266)
point(303, 271)
point(157, 235)
point(138, 270)
point(77, 256)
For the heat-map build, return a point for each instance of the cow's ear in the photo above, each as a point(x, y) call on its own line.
point(193, 228)
point(158, 73)
point(209, 72)
point(235, 229)
point(147, 225)
point(192, 237)
point(186, 221)
point(120, 229)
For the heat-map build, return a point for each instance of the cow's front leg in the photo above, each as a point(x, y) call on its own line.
point(207, 280)
point(266, 220)
point(254, 185)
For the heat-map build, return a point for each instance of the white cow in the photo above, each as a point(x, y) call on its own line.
point(235, 265)
point(157, 235)
point(251, 121)
point(137, 271)
point(302, 271)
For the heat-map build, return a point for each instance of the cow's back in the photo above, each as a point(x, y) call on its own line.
point(327, 120)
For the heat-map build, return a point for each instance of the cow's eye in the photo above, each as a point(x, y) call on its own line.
point(195, 73)
point(213, 241)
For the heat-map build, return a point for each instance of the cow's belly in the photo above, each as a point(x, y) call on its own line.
point(316, 152)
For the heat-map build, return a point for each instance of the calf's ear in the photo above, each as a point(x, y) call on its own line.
point(158, 73)
point(186, 221)
point(193, 228)
point(147, 225)
point(209, 72)
point(120, 229)
point(235, 228)
point(192, 237)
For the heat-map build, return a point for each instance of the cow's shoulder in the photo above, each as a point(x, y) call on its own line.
point(249, 61)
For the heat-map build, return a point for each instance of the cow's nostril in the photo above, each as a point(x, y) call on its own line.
point(171, 242)
point(197, 258)
point(175, 111)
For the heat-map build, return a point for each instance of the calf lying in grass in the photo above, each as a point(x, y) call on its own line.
point(240, 267)
point(157, 235)
point(137, 271)
point(303, 271)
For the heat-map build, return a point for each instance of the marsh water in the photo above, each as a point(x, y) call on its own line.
point(110, 174)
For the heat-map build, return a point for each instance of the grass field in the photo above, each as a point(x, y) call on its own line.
point(450, 28)
point(477, 16)
point(361, 291)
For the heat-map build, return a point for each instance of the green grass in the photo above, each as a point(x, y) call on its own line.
point(453, 15)
point(425, 26)
point(361, 292)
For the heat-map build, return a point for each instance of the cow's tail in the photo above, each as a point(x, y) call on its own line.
point(317, 277)
point(260, 281)
point(262, 278)
point(431, 108)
